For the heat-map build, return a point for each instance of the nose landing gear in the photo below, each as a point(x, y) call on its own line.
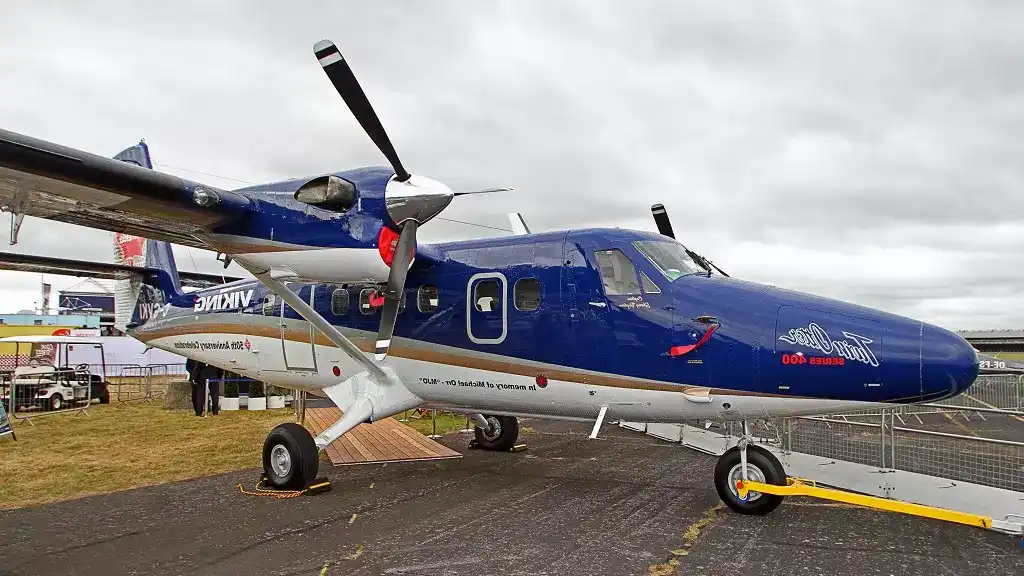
point(748, 461)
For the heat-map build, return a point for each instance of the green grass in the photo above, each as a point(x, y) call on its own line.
point(446, 422)
point(1008, 355)
point(73, 455)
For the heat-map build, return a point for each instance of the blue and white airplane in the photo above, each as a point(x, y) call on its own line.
point(580, 324)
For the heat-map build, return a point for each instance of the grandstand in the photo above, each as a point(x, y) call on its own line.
point(1007, 344)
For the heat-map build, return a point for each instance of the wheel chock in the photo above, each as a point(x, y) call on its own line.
point(474, 445)
point(801, 487)
point(318, 486)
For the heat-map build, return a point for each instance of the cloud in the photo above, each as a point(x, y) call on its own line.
point(866, 152)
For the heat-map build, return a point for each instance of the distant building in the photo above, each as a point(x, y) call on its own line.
point(97, 301)
point(41, 325)
point(63, 320)
point(990, 341)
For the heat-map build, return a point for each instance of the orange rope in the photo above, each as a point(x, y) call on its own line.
point(280, 494)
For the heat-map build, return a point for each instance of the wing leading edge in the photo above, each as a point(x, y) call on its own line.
point(47, 180)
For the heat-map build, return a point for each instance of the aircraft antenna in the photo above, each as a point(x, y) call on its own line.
point(472, 224)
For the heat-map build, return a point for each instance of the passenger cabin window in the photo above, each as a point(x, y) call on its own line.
point(649, 286)
point(617, 273)
point(527, 294)
point(364, 301)
point(367, 309)
point(268, 305)
point(487, 296)
point(427, 299)
point(339, 302)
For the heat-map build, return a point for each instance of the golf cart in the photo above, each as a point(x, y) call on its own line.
point(47, 381)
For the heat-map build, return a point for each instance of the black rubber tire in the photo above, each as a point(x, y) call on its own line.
point(506, 438)
point(305, 461)
point(59, 402)
point(758, 457)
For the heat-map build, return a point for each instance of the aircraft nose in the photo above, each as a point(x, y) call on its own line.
point(949, 364)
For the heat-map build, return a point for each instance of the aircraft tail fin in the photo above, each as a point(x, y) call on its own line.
point(136, 298)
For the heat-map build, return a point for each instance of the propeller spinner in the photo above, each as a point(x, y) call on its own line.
point(411, 200)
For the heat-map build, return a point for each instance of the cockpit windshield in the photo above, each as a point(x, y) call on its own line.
point(670, 258)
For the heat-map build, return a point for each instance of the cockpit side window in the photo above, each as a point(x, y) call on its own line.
point(617, 273)
point(649, 286)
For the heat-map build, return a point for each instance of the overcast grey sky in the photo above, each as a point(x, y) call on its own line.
point(866, 151)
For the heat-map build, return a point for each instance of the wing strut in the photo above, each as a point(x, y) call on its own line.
point(314, 318)
point(17, 208)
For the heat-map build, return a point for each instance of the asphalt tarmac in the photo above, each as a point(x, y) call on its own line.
point(624, 504)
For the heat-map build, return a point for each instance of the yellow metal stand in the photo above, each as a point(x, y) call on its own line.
point(801, 487)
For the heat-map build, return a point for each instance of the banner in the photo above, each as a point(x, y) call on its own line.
point(5, 422)
point(46, 298)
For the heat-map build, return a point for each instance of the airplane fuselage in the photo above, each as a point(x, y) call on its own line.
point(561, 324)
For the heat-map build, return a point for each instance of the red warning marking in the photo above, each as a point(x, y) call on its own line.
point(376, 300)
point(681, 350)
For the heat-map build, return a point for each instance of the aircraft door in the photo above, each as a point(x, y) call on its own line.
point(690, 346)
point(487, 308)
point(297, 335)
point(590, 343)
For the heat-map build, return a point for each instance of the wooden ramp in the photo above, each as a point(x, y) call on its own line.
point(386, 440)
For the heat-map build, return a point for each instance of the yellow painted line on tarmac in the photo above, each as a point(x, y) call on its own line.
point(952, 419)
point(987, 405)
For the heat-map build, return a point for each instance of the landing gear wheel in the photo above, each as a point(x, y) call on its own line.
point(762, 466)
point(290, 459)
point(500, 436)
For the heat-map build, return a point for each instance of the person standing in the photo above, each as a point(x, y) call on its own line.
point(211, 376)
point(194, 369)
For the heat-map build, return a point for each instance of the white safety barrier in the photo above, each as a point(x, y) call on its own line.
point(914, 454)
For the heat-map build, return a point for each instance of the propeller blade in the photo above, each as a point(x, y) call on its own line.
point(665, 228)
point(404, 254)
point(484, 191)
point(340, 74)
point(661, 219)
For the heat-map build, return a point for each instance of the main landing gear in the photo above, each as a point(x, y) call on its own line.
point(290, 457)
point(497, 433)
point(748, 461)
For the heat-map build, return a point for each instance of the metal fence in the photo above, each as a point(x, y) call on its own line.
point(975, 437)
point(33, 391)
point(135, 382)
point(966, 452)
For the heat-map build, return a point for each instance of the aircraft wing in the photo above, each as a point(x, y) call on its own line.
point(992, 365)
point(46, 180)
point(83, 268)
